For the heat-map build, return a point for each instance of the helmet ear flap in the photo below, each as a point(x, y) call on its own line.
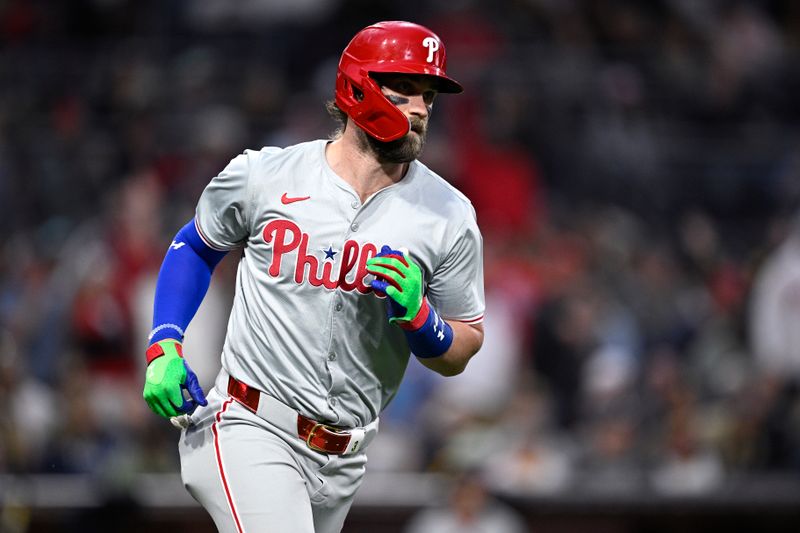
point(345, 92)
point(353, 92)
point(356, 92)
point(372, 112)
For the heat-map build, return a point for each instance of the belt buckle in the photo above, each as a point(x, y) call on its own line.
point(313, 432)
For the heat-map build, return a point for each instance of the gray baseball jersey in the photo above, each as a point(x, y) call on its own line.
point(305, 326)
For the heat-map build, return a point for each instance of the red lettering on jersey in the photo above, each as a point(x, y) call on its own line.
point(369, 250)
point(351, 254)
point(304, 259)
point(349, 260)
point(286, 236)
point(277, 230)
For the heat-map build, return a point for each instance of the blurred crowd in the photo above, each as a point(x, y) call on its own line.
point(635, 167)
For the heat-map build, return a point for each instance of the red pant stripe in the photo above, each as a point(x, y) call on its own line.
point(221, 468)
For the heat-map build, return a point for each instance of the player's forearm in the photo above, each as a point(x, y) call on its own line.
point(442, 345)
point(182, 283)
point(467, 340)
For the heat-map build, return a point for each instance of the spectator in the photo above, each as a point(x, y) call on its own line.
point(471, 510)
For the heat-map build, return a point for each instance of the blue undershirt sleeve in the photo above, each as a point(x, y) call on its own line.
point(182, 283)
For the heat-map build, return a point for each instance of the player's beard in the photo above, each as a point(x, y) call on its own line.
point(404, 150)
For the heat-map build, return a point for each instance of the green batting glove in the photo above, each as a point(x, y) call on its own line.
point(400, 279)
point(166, 377)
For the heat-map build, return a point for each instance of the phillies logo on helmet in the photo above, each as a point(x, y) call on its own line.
point(286, 237)
point(432, 44)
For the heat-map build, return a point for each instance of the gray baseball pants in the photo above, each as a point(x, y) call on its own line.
point(253, 475)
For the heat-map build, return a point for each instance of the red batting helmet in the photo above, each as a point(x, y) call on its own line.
point(387, 47)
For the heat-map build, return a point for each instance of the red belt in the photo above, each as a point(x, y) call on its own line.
point(318, 436)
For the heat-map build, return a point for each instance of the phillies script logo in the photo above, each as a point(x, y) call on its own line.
point(285, 236)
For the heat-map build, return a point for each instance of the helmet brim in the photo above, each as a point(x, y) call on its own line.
point(448, 85)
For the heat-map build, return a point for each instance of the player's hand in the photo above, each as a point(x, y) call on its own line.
point(401, 279)
point(167, 376)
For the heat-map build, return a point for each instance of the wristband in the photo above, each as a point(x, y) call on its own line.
point(156, 350)
point(428, 334)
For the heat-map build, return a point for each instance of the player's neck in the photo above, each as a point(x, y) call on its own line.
point(360, 168)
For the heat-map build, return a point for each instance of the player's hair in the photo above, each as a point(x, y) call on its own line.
point(339, 116)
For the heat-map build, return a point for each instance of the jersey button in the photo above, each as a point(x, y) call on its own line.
point(338, 306)
point(354, 226)
point(331, 357)
point(354, 204)
point(332, 400)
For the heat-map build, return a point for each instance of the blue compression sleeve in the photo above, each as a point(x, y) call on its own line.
point(182, 283)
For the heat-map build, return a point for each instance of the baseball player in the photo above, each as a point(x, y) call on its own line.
point(353, 256)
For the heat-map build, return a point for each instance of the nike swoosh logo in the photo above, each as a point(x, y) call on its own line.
point(285, 199)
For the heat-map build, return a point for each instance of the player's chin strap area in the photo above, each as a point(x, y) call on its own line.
point(318, 436)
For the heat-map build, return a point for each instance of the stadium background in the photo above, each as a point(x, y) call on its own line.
point(635, 167)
